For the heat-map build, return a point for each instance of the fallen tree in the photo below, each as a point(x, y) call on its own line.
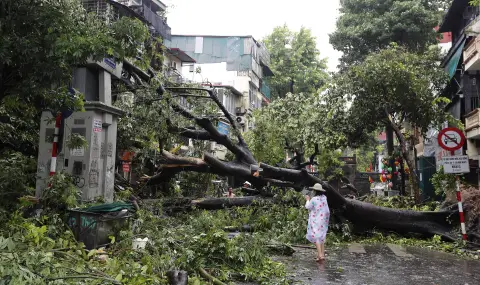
point(245, 167)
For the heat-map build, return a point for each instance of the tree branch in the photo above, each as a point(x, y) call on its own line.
point(188, 133)
point(311, 160)
point(241, 152)
point(213, 96)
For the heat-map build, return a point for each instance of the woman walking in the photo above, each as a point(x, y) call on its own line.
point(318, 216)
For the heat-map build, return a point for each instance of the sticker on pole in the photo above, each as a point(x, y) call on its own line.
point(451, 139)
point(97, 126)
point(126, 167)
point(456, 164)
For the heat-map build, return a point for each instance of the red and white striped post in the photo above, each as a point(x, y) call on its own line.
point(53, 163)
point(460, 209)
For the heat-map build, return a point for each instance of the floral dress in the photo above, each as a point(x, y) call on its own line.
point(319, 214)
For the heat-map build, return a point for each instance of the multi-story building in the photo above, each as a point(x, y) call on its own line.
point(174, 61)
point(462, 64)
point(151, 11)
point(236, 63)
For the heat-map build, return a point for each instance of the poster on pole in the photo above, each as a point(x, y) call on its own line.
point(440, 153)
point(126, 166)
point(456, 164)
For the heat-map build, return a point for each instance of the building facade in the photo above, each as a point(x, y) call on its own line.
point(237, 63)
point(462, 63)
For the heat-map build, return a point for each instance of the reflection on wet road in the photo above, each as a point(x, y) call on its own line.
point(382, 264)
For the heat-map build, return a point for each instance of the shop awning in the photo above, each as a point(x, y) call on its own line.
point(452, 64)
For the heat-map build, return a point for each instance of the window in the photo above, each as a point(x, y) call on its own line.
point(252, 97)
point(228, 100)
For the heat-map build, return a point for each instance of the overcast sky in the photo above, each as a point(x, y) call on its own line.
point(256, 18)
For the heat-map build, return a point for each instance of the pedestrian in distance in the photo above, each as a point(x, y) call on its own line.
point(318, 217)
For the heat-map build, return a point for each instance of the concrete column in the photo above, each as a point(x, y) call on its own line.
point(105, 87)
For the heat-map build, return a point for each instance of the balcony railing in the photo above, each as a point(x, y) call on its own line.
point(160, 25)
point(471, 49)
point(265, 90)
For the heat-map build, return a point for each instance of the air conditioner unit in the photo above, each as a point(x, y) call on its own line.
point(241, 120)
point(239, 111)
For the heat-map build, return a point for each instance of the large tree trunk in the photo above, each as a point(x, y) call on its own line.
point(406, 157)
point(260, 174)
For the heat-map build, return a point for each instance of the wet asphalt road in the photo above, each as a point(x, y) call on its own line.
point(382, 264)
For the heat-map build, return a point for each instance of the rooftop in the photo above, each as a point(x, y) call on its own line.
point(181, 55)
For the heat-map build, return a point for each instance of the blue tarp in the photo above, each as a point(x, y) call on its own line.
point(452, 64)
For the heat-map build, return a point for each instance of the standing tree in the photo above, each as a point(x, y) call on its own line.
point(393, 87)
point(367, 26)
point(296, 119)
point(295, 61)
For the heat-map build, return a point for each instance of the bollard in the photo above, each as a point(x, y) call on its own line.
point(460, 209)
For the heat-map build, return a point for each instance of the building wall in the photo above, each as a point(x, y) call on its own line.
point(227, 60)
point(169, 60)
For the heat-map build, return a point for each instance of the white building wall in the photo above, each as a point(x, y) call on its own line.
point(445, 46)
point(169, 60)
point(217, 73)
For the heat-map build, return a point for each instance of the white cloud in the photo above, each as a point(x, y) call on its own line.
point(256, 18)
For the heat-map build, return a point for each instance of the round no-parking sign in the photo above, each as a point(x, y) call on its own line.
point(451, 139)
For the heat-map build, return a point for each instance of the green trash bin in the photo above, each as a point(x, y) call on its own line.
point(94, 225)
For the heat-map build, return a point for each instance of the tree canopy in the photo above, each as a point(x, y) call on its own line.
point(296, 119)
point(366, 26)
point(295, 61)
point(392, 82)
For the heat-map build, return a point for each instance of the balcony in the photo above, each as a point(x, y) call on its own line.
point(150, 10)
point(159, 24)
point(472, 124)
point(174, 75)
point(265, 90)
point(471, 55)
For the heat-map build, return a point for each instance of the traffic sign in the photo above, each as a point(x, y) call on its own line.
point(451, 139)
point(456, 164)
